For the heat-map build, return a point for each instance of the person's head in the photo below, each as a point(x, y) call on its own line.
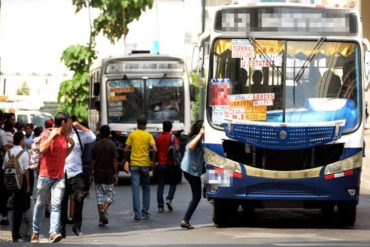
point(28, 129)
point(195, 128)
point(49, 123)
point(18, 138)
point(167, 126)
point(63, 119)
point(8, 126)
point(104, 131)
point(37, 131)
point(141, 122)
point(10, 117)
point(257, 77)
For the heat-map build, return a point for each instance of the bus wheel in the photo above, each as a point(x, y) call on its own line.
point(221, 212)
point(248, 210)
point(347, 213)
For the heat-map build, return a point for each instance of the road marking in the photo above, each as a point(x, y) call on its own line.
point(318, 244)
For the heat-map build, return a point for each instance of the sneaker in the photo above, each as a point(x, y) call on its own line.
point(136, 219)
point(169, 205)
point(146, 215)
point(160, 210)
point(102, 218)
point(4, 222)
point(55, 237)
point(19, 240)
point(34, 238)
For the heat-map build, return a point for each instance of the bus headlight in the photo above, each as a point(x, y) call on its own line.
point(350, 163)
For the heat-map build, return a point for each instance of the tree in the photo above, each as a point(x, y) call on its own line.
point(24, 90)
point(114, 16)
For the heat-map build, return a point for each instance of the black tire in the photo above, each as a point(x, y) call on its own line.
point(222, 210)
point(347, 213)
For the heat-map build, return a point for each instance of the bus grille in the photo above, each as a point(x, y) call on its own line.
point(276, 136)
point(284, 190)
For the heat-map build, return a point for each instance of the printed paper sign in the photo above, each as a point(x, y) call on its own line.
point(241, 48)
point(218, 115)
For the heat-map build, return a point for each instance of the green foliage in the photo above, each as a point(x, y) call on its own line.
point(78, 57)
point(194, 79)
point(74, 95)
point(114, 15)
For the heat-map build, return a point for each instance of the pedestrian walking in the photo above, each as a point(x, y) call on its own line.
point(55, 146)
point(20, 197)
point(164, 166)
point(74, 177)
point(192, 166)
point(140, 141)
point(104, 167)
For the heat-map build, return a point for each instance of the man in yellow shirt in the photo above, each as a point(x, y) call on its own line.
point(140, 142)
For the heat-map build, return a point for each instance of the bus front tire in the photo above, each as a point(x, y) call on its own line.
point(222, 210)
point(347, 213)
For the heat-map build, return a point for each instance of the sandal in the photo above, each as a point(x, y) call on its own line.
point(186, 225)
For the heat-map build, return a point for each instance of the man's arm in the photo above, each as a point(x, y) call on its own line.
point(27, 176)
point(45, 145)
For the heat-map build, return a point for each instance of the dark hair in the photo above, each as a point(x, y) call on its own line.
point(19, 125)
point(9, 115)
point(74, 118)
point(8, 126)
point(195, 128)
point(60, 117)
point(167, 126)
point(18, 137)
point(257, 76)
point(104, 131)
point(37, 131)
point(141, 120)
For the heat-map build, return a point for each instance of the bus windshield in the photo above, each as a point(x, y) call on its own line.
point(157, 99)
point(285, 81)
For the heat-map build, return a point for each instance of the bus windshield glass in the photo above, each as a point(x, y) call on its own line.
point(157, 99)
point(284, 81)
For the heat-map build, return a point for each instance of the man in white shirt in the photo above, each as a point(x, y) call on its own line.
point(3, 193)
point(21, 196)
point(75, 183)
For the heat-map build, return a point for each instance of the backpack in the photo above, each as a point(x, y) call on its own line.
point(173, 155)
point(13, 177)
point(35, 154)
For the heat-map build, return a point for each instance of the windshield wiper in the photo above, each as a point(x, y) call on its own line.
point(255, 44)
point(309, 59)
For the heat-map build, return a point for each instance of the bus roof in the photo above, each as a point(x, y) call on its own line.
point(144, 57)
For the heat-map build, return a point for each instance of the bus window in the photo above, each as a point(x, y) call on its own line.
point(164, 97)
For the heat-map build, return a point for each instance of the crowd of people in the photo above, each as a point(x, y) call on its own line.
point(64, 157)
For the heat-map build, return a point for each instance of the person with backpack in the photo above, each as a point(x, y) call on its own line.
point(55, 146)
point(75, 181)
point(16, 178)
point(167, 145)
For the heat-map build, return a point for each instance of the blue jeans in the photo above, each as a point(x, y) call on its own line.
point(164, 173)
point(140, 174)
point(44, 186)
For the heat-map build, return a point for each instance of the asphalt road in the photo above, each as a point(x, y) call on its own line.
point(283, 227)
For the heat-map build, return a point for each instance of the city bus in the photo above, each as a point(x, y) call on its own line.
point(284, 118)
point(126, 87)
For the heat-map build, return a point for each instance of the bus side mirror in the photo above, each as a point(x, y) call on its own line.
point(192, 92)
point(96, 88)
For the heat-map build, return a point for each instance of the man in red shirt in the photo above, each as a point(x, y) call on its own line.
point(163, 141)
point(55, 145)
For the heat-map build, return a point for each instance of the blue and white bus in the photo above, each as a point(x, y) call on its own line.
point(284, 118)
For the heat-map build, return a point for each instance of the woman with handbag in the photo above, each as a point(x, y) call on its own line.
point(192, 165)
